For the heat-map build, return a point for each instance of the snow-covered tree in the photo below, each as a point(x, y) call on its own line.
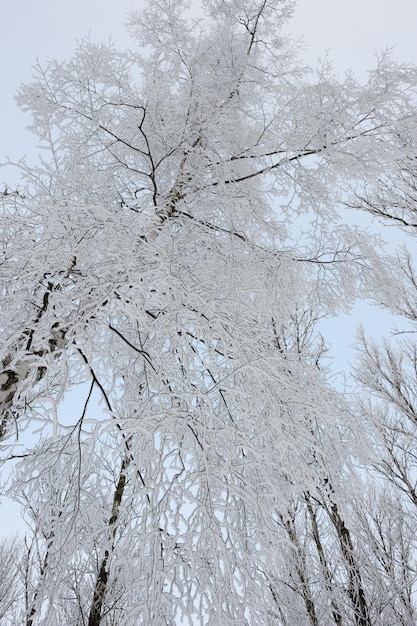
point(386, 372)
point(11, 587)
point(164, 265)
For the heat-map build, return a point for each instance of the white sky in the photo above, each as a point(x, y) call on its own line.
point(351, 30)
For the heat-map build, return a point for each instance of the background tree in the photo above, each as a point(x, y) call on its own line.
point(386, 371)
point(157, 265)
point(11, 589)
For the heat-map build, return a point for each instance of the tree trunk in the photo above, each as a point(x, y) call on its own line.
point(100, 587)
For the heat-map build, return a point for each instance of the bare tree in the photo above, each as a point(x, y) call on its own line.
point(11, 588)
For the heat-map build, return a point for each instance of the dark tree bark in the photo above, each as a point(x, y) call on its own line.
point(100, 587)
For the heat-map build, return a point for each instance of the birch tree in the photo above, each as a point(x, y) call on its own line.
point(164, 266)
